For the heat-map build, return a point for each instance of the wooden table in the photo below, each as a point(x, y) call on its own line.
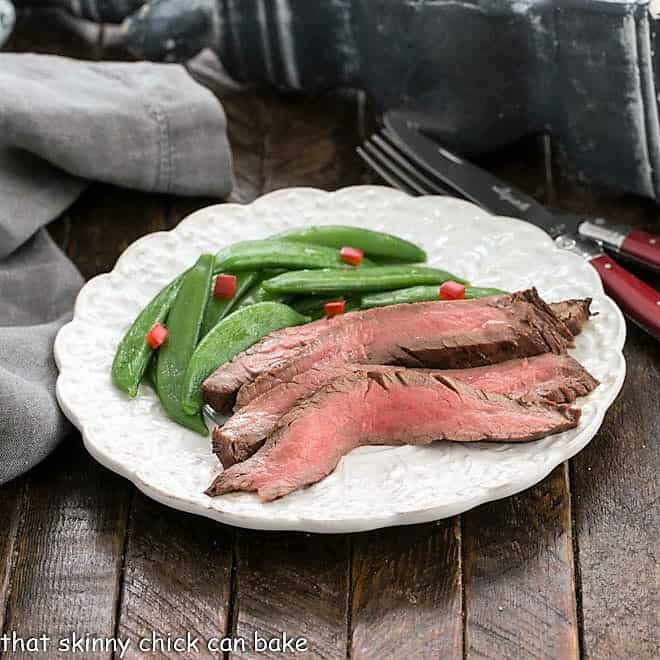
point(568, 568)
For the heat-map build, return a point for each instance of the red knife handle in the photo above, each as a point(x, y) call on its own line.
point(638, 300)
point(643, 246)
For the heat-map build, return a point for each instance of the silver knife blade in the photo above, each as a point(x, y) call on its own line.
point(473, 183)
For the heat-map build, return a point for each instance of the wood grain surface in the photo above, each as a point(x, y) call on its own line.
point(67, 567)
point(176, 582)
point(407, 592)
point(568, 568)
point(12, 500)
point(617, 516)
point(292, 583)
point(518, 575)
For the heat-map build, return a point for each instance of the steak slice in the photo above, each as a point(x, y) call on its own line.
point(550, 377)
point(574, 313)
point(394, 407)
point(442, 334)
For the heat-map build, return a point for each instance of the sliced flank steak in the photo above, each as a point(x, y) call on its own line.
point(550, 377)
point(442, 334)
point(574, 313)
point(389, 408)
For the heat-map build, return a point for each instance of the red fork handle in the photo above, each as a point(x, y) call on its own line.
point(639, 301)
point(643, 246)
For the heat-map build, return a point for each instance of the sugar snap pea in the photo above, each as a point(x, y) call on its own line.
point(184, 324)
point(372, 243)
point(217, 308)
point(378, 278)
point(419, 294)
point(227, 339)
point(274, 253)
point(133, 353)
point(258, 294)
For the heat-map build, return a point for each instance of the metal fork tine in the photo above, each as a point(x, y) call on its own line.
point(384, 172)
point(386, 144)
point(375, 152)
point(399, 172)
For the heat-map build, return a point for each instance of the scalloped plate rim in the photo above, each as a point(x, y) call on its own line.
point(317, 524)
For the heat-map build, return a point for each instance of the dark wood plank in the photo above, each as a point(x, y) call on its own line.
point(518, 568)
point(177, 576)
point(616, 502)
point(12, 498)
point(279, 142)
point(407, 599)
point(292, 583)
point(614, 481)
point(518, 575)
point(68, 550)
point(106, 220)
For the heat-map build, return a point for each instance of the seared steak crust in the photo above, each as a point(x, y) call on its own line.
point(574, 313)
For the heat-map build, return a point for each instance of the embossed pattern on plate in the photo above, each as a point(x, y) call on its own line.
point(369, 489)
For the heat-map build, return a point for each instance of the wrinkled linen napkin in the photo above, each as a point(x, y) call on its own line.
point(64, 123)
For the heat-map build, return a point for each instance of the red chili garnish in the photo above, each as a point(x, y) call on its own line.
point(351, 255)
point(225, 287)
point(157, 335)
point(452, 291)
point(334, 308)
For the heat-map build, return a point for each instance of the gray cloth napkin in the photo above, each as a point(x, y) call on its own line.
point(63, 123)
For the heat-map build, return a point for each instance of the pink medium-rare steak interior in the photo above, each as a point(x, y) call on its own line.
point(392, 408)
point(557, 378)
point(546, 377)
point(451, 334)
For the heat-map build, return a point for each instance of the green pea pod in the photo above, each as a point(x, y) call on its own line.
point(379, 278)
point(419, 294)
point(134, 352)
point(373, 243)
point(150, 373)
point(217, 309)
point(227, 339)
point(184, 324)
point(258, 294)
point(253, 255)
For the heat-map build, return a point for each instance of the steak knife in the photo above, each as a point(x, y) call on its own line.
point(639, 301)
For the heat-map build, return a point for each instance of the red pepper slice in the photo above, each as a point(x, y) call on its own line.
point(224, 287)
point(451, 291)
point(157, 335)
point(334, 308)
point(351, 255)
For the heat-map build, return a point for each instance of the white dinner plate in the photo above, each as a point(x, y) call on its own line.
point(372, 487)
